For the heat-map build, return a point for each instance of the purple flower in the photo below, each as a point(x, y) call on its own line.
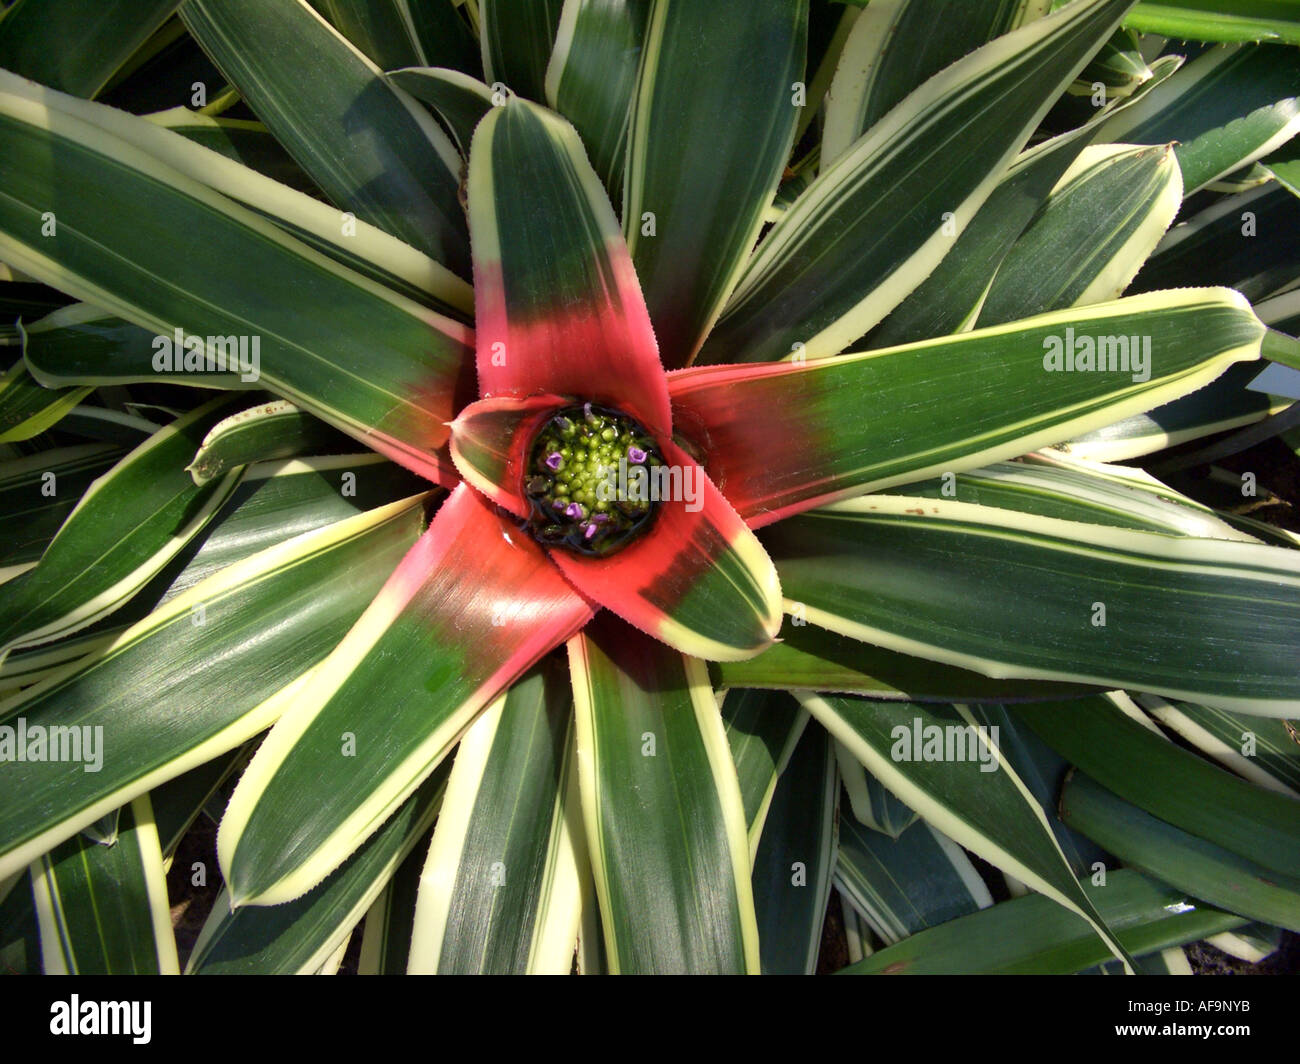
point(573, 510)
point(636, 456)
point(554, 460)
point(589, 531)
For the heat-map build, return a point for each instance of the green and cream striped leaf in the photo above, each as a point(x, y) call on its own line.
point(393, 264)
point(309, 314)
point(179, 802)
point(903, 885)
point(26, 301)
point(1264, 751)
point(1245, 241)
point(1042, 770)
point(829, 27)
point(39, 491)
point(665, 820)
point(242, 140)
point(372, 149)
point(1033, 936)
point(592, 75)
point(795, 859)
point(460, 100)
point(261, 433)
point(707, 145)
point(278, 500)
point(1223, 404)
point(1243, 180)
point(273, 502)
point(1217, 20)
point(169, 68)
point(1284, 164)
point(795, 179)
point(102, 910)
point(1004, 593)
point(811, 658)
point(1261, 530)
point(123, 532)
point(1177, 510)
point(763, 728)
point(398, 33)
point(335, 960)
point(81, 345)
point(27, 409)
point(1281, 312)
point(500, 892)
point(20, 937)
point(14, 571)
point(305, 935)
point(589, 959)
point(968, 792)
point(1205, 870)
point(103, 830)
point(30, 665)
point(1186, 791)
point(896, 45)
point(857, 935)
point(1115, 73)
point(1231, 105)
point(76, 45)
point(468, 610)
point(112, 426)
point(351, 241)
point(864, 235)
point(194, 678)
point(1172, 961)
point(516, 41)
point(872, 804)
point(1074, 490)
point(957, 402)
point(1252, 943)
point(1120, 66)
point(386, 937)
point(167, 34)
point(1088, 241)
point(949, 300)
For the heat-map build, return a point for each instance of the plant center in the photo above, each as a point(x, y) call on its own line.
point(588, 480)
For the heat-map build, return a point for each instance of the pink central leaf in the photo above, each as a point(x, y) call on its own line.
point(557, 305)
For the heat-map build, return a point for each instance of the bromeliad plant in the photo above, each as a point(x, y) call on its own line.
point(796, 346)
